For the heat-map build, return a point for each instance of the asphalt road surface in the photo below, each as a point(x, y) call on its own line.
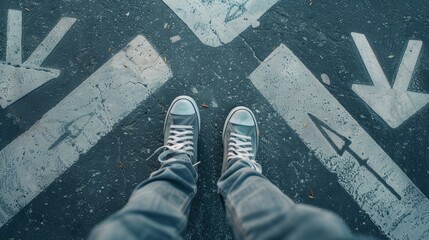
point(339, 88)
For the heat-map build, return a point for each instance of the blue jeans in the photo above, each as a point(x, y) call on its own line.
point(256, 209)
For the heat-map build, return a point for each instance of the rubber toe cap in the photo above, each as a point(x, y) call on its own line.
point(242, 117)
point(183, 107)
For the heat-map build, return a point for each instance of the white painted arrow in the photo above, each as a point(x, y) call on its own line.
point(365, 171)
point(219, 22)
point(33, 160)
point(17, 78)
point(393, 104)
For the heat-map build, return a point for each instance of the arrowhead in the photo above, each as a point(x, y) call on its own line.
point(339, 142)
point(393, 106)
point(18, 81)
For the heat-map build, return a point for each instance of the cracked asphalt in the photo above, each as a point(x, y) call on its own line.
point(318, 33)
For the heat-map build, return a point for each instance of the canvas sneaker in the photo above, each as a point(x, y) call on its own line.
point(181, 128)
point(240, 138)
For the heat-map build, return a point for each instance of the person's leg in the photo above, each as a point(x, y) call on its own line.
point(255, 208)
point(159, 207)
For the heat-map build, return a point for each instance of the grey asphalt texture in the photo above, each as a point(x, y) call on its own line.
point(103, 179)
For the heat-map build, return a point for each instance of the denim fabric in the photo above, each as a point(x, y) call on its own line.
point(256, 209)
point(158, 208)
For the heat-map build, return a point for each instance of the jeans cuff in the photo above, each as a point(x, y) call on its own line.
point(252, 164)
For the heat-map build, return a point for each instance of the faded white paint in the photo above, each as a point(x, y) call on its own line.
point(217, 22)
point(17, 79)
point(393, 104)
point(295, 93)
point(50, 42)
point(32, 161)
point(14, 33)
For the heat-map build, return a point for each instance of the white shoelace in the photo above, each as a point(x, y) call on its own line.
point(180, 141)
point(240, 147)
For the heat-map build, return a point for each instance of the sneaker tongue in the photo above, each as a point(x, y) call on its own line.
point(183, 119)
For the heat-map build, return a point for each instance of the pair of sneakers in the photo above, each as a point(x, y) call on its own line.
point(182, 126)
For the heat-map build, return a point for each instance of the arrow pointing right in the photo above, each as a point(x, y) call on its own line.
point(393, 104)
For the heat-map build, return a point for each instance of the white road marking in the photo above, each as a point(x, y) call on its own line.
point(50, 42)
point(394, 105)
point(16, 81)
point(32, 161)
point(14, 37)
point(217, 22)
point(17, 78)
point(345, 148)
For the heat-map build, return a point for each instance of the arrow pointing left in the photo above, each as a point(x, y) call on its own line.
point(17, 78)
point(31, 162)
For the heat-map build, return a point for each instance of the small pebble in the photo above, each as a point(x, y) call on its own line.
point(256, 24)
point(175, 38)
point(194, 90)
point(325, 79)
